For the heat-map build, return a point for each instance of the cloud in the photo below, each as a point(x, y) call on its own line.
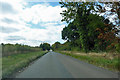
point(41, 13)
point(9, 21)
point(14, 38)
point(30, 25)
point(8, 29)
point(7, 8)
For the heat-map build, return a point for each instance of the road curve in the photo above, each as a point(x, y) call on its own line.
point(55, 65)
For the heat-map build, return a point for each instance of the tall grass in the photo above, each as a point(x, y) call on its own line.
point(111, 64)
point(15, 62)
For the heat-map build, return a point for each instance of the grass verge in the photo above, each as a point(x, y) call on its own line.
point(113, 65)
point(13, 63)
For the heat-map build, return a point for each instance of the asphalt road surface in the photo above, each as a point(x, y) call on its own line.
point(55, 65)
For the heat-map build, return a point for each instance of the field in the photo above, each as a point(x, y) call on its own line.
point(15, 62)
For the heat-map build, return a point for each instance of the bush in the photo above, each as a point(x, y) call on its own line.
point(9, 49)
point(117, 47)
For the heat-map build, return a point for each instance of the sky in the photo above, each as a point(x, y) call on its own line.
point(30, 23)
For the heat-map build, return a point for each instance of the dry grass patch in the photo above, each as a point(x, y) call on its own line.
point(105, 60)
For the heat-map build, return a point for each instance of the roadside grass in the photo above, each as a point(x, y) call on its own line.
point(13, 63)
point(0, 67)
point(110, 64)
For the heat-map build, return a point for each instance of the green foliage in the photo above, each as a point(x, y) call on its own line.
point(45, 46)
point(77, 29)
point(70, 33)
point(9, 49)
point(56, 46)
point(66, 46)
point(117, 47)
point(74, 8)
point(83, 29)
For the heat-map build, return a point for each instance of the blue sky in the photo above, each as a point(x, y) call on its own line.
point(35, 3)
point(30, 23)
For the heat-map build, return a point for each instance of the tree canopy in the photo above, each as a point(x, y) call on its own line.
point(86, 28)
point(45, 46)
point(56, 45)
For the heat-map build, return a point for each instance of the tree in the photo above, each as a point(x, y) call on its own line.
point(70, 33)
point(73, 8)
point(114, 9)
point(82, 24)
point(87, 29)
point(56, 45)
point(45, 46)
point(111, 31)
point(78, 12)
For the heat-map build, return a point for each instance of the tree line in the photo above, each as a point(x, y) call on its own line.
point(9, 49)
point(87, 29)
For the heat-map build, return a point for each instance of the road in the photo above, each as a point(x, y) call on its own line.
point(55, 65)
